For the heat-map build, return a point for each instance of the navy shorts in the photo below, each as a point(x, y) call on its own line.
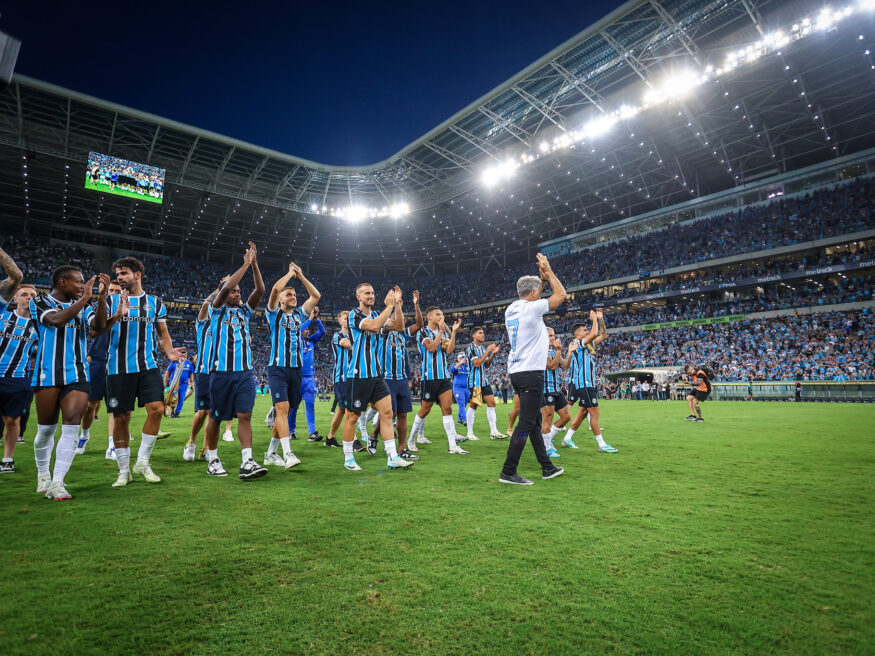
point(122, 390)
point(97, 373)
point(15, 396)
point(556, 400)
point(399, 392)
point(285, 385)
point(586, 397)
point(364, 391)
point(341, 392)
point(201, 392)
point(231, 393)
point(433, 389)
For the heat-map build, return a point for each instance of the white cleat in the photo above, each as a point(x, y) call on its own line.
point(411, 446)
point(473, 437)
point(291, 460)
point(215, 468)
point(110, 453)
point(227, 436)
point(80, 448)
point(273, 459)
point(188, 453)
point(57, 492)
point(458, 450)
point(398, 463)
point(123, 479)
point(497, 436)
point(352, 465)
point(422, 439)
point(146, 472)
point(42, 484)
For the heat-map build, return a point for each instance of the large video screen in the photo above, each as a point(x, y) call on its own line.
point(124, 178)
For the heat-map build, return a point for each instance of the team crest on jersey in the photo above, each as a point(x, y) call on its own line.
point(357, 404)
point(277, 395)
point(549, 399)
point(427, 396)
point(113, 402)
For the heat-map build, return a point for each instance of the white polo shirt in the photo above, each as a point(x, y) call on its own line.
point(529, 341)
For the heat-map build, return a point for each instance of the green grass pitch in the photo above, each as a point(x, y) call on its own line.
point(749, 534)
point(121, 192)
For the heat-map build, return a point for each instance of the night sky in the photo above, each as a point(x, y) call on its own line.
point(338, 84)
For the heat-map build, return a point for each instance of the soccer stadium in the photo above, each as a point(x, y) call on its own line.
point(587, 368)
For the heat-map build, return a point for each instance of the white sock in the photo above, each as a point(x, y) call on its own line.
point(123, 456)
point(274, 445)
point(111, 444)
point(284, 441)
point(569, 434)
point(363, 424)
point(212, 455)
point(414, 432)
point(85, 433)
point(548, 440)
point(598, 438)
point(43, 444)
point(348, 453)
point(391, 451)
point(373, 416)
point(469, 419)
point(246, 454)
point(588, 421)
point(147, 443)
point(490, 417)
point(65, 452)
point(450, 428)
point(554, 431)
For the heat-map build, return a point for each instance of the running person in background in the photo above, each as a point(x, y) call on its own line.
point(364, 373)
point(461, 393)
point(60, 376)
point(232, 384)
point(186, 380)
point(18, 343)
point(529, 344)
point(137, 328)
point(554, 400)
point(701, 382)
point(98, 352)
point(309, 387)
point(284, 319)
point(480, 357)
point(584, 379)
point(433, 349)
point(340, 349)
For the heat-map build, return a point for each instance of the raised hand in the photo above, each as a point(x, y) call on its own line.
point(599, 314)
point(103, 283)
point(124, 304)
point(543, 263)
point(416, 297)
point(294, 270)
point(254, 252)
point(390, 298)
point(573, 346)
point(88, 292)
point(247, 257)
point(593, 316)
point(457, 324)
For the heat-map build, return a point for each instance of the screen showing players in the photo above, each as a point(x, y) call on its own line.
point(125, 178)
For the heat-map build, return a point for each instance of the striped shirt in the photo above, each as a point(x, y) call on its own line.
point(434, 365)
point(286, 348)
point(204, 336)
point(133, 339)
point(18, 338)
point(476, 375)
point(396, 362)
point(363, 362)
point(230, 329)
point(582, 372)
point(60, 356)
point(551, 376)
point(341, 357)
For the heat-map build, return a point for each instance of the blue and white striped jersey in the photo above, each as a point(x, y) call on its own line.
point(341, 357)
point(434, 365)
point(551, 376)
point(204, 336)
point(286, 349)
point(133, 339)
point(230, 328)
point(61, 351)
point(18, 338)
point(476, 375)
point(363, 362)
point(396, 362)
point(582, 371)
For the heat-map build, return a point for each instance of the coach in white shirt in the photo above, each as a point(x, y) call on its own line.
point(524, 320)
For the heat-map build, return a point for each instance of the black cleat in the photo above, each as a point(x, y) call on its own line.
point(332, 442)
point(357, 446)
point(293, 436)
point(553, 473)
point(407, 455)
point(699, 419)
point(691, 418)
point(372, 446)
point(251, 469)
point(514, 479)
point(7, 467)
point(314, 437)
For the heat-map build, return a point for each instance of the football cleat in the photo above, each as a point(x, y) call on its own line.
point(398, 463)
point(314, 437)
point(332, 442)
point(568, 442)
point(352, 465)
point(407, 455)
point(411, 446)
point(110, 453)
point(202, 457)
point(57, 492)
point(42, 484)
point(215, 468)
point(372, 446)
point(461, 438)
point(291, 460)
point(422, 439)
point(357, 446)
point(227, 436)
point(553, 453)
point(514, 479)
point(473, 437)
point(123, 479)
point(690, 418)
point(146, 472)
point(251, 469)
point(700, 420)
point(274, 459)
point(497, 436)
point(80, 447)
point(293, 436)
point(7, 467)
point(163, 435)
point(457, 450)
point(188, 452)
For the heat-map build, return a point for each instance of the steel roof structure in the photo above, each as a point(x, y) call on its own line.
point(811, 101)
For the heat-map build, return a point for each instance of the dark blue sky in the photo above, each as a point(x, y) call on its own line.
point(338, 84)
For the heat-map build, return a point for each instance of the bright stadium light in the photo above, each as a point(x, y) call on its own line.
point(496, 173)
point(398, 210)
point(677, 85)
point(599, 126)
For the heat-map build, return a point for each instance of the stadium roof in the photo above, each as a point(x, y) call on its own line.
point(805, 102)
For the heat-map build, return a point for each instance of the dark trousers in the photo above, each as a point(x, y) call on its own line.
point(530, 387)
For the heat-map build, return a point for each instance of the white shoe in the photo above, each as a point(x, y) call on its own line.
point(123, 479)
point(412, 447)
point(273, 459)
point(110, 453)
point(188, 452)
point(352, 465)
point(80, 448)
point(146, 472)
point(398, 463)
point(422, 439)
point(57, 492)
point(42, 484)
point(473, 438)
point(215, 468)
point(458, 450)
point(291, 460)
point(227, 436)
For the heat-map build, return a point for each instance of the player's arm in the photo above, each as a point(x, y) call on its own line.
point(451, 346)
point(257, 293)
point(432, 345)
point(397, 320)
point(274, 298)
point(98, 326)
point(345, 343)
point(572, 347)
point(491, 350)
point(320, 332)
point(414, 328)
point(374, 325)
point(559, 295)
point(232, 281)
point(166, 341)
point(60, 317)
point(594, 331)
point(603, 331)
point(554, 362)
point(204, 312)
point(9, 286)
point(314, 293)
point(476, 362)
